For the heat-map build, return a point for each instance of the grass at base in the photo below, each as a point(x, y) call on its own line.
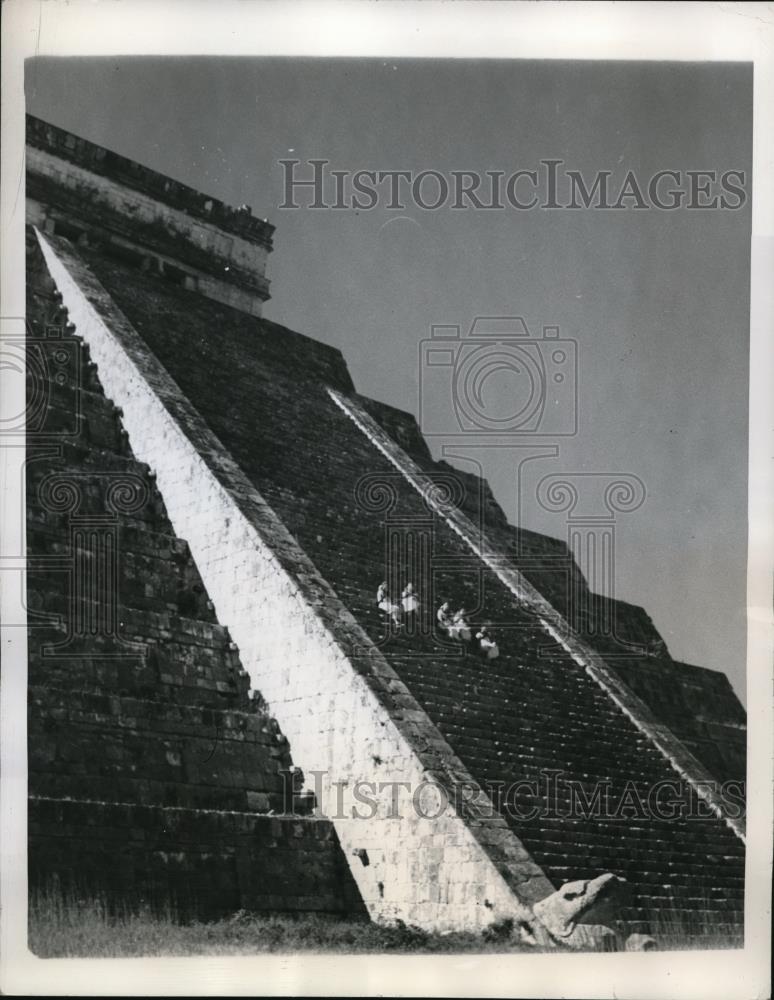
point(76, 928)
point(85, 929)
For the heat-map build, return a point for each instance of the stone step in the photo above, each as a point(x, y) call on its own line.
point(51, 590)
point(109, 708)
point(204, 863)
point(179, 671)
point(137, 536)
point(73, 778)
point(158, 627)
point(88, 459)
point(85, 416)
point(87, 491)
point(532, 707)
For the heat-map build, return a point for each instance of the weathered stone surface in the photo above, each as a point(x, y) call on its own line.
point(308, 526)
point(563, 910)
point(202, 863)
point(700, 708)
point(298, 640)
point(153, 776)
point(92, 195)
point(532, 712)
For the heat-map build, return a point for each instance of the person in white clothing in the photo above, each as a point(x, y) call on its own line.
point(460, 628)
point(443, 617)
point(385, 604)
point(489, 648)
point(409, 600)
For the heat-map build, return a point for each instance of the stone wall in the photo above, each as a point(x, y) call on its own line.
point(345, 712)
point(198, 863)
point(548, 705)
point(545, 616)
point(88, 193)
point(700, 707)
point(153, 776)
point(162, 189)
point(297, 497)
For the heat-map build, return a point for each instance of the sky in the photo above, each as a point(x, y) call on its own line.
point(656, 302)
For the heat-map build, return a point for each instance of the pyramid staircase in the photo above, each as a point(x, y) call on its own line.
point(534, 712)
point(155, 774)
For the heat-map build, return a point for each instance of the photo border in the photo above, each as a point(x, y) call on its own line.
point(590, 31)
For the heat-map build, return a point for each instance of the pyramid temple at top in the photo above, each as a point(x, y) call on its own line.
point(220, 717)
